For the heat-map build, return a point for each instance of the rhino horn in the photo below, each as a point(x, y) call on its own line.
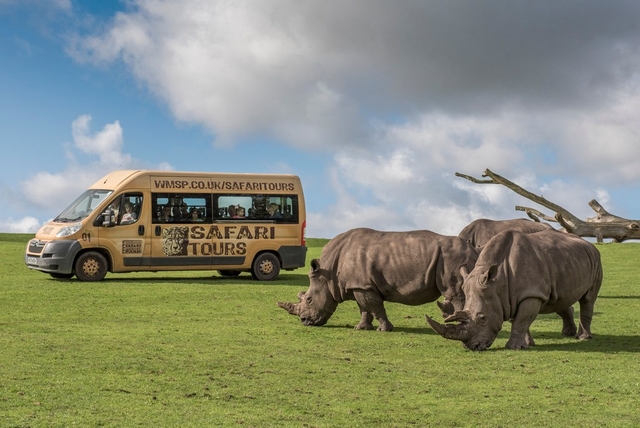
point(292, 308)
point(301, 296)
point(454, 332)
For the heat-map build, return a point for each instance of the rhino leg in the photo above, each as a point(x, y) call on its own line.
point(525, 315)
point(365, 321)
point(568, 324)
point(374, 305)
point(528, 339)
point(586, 315)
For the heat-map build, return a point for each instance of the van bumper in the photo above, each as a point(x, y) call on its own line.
point(293, 256)
point(52, 256)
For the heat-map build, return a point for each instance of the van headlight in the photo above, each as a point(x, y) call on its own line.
point(69, 230)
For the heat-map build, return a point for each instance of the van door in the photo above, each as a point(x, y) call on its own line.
point(127, 236)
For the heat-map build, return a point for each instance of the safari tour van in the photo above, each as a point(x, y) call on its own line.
point(165, 220)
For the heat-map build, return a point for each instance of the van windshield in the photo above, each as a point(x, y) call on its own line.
point(83, 205)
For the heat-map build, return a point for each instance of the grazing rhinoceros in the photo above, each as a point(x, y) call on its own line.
point(480, 231)
point(519, 275)
point(371, 267)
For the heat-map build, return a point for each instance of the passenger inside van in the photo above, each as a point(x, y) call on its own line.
point(195, 215)
point(129, 215)
point(115, 209)
point(274, 210)
point(239, 212)
point(182, 213)
point(165, 215)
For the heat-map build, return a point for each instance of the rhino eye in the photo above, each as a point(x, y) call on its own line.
point(481, 319)
point(308, 299)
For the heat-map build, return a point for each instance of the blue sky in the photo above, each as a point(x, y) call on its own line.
point(375, 104)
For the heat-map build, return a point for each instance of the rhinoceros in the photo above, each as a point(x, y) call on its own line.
point(519, 275)
point(370, 267)
point(480, 231)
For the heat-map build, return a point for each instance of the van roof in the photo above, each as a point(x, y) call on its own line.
point(117, 178)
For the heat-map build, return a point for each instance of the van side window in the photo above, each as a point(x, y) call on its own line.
point(130, 208)
point(181, 208)
point(258, 207)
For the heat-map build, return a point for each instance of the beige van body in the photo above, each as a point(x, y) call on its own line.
point(164, 220)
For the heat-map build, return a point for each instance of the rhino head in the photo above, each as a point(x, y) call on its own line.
point(317, 304)
point(454, 296)
point(481, 319)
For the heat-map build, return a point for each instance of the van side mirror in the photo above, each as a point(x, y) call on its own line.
point(108, 219)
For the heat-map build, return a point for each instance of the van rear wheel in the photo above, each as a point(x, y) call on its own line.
point(91, 266)
point(266, 267)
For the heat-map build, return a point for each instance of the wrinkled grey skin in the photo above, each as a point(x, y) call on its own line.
point(371, 267)
point(516, 277)
point(480, 231)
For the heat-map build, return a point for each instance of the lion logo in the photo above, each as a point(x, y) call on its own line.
point(176, 240)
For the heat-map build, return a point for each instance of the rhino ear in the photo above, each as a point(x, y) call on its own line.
point(315, 265)
point(490, 274)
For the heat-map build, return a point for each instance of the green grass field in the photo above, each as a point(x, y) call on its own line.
point(192, 349)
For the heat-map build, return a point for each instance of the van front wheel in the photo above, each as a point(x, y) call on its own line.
point(266, 267)
point(91, 266)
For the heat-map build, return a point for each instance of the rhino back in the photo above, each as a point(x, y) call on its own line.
point(479, 232)
point(412, 268)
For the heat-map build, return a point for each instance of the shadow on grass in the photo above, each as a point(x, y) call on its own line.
point(604, 343)
point(619, 297)
point(298, 280)
point(601, 343)
point(411, 330)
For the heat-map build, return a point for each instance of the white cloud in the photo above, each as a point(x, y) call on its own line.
point(24, 225)
point(406, 179)
point(104, 152)
point(106, 144)
point(91, 156)
point(295, 69)
point(403, 94)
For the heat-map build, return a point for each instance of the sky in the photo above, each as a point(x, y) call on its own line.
point(375, 104)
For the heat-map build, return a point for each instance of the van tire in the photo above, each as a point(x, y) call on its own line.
point(266, 267)
point(91, 266)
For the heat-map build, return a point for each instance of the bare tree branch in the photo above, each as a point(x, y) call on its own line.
point(602, 226)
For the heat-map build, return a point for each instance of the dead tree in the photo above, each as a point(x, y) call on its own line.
point(602, 226)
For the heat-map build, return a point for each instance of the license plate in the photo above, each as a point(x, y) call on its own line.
point(32, 260)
